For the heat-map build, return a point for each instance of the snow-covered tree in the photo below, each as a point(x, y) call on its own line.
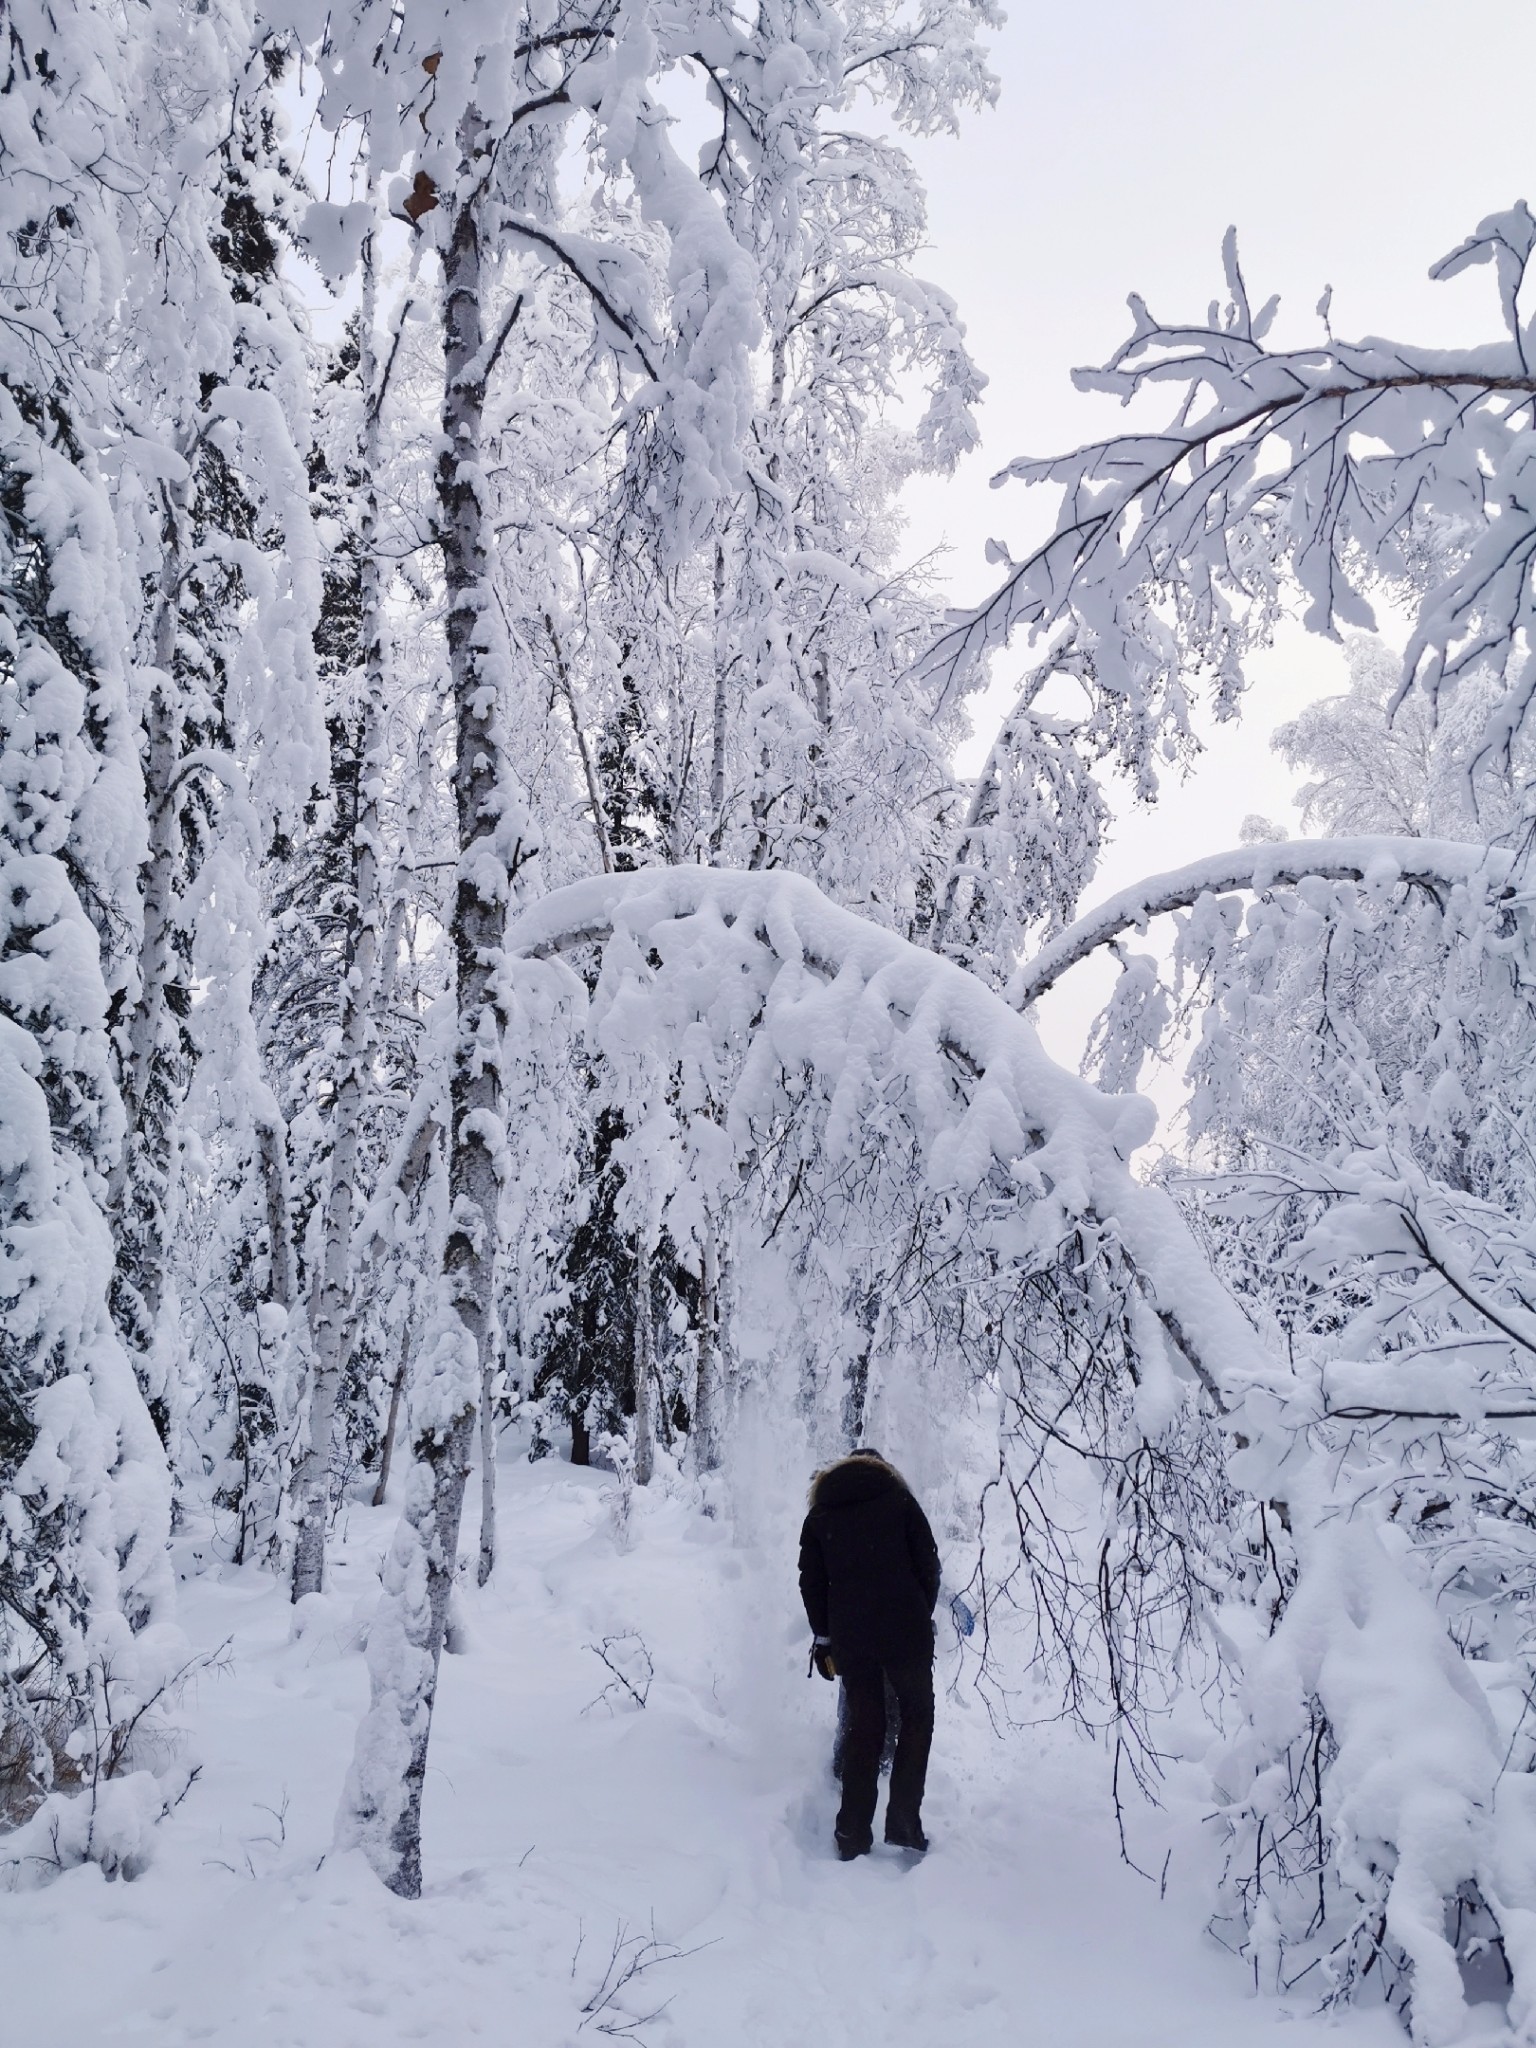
point(673, 289)
point(84, 1489)
point(492, 926)
point(1331, 471)
point(353, 638)
point(1360, 1108)
point(212, 501)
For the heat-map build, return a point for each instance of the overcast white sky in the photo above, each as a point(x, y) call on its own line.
point(1352, 142)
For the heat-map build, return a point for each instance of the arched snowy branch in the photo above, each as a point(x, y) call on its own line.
point(980, 1092)
point(1379, 862)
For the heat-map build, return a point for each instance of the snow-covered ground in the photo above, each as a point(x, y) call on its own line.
point(566, 1829)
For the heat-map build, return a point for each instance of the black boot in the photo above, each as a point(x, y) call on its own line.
point(849, 1846)
point(905, 1834)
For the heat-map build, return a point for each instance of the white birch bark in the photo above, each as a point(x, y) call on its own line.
point(272, 1166)
point(392, 1424)
point(584, 752)
point(382, 1805)
point(333, 1308)
point(727, 1365)
point(645, 1368)
point(721, 708)
point(486, 1562)
point(708, 1389)
point(479, 795)
point(162, 755)
point(138, 1189)
point(415, 1172)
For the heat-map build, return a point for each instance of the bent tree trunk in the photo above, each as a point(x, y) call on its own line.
point(1423, 863)
point(382, 1806)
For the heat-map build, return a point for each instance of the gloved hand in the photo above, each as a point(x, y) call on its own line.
point(821, 1658)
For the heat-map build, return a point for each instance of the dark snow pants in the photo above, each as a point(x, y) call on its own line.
point(863, 1739)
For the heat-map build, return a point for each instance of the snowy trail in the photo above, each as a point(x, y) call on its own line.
point(552, 1831)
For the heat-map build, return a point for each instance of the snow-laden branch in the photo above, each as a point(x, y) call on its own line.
point(1319, 471)
point(1378, 862)
point(864, 1008)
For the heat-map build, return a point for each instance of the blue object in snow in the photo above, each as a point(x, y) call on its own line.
point(961, 1615)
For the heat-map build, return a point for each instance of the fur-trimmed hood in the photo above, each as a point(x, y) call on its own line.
point(869, 1568)
point(859, 1477)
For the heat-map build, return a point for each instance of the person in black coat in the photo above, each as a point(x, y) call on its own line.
point(869, 1577)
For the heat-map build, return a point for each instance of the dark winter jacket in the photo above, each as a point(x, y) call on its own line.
point(869, 1567)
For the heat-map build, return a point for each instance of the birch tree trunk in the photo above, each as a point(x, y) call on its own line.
point(333, 1305)
point(272, 1166)
point(415, 1177)
point(382, 1805)
point(138, 1193)
point(725, 1339)
point(856, 1376)
point(645, 1368)
point(707, 1390)
point(719, 721)
point(486, 1563)
point(396, 1390)
point(163, 725)
point(480, 903)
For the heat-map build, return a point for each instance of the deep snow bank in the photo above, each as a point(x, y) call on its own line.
point(566, 1829)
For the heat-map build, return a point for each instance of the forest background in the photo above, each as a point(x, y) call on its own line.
point(506, 937)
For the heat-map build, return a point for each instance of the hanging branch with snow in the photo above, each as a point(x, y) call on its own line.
point(1326, 471)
